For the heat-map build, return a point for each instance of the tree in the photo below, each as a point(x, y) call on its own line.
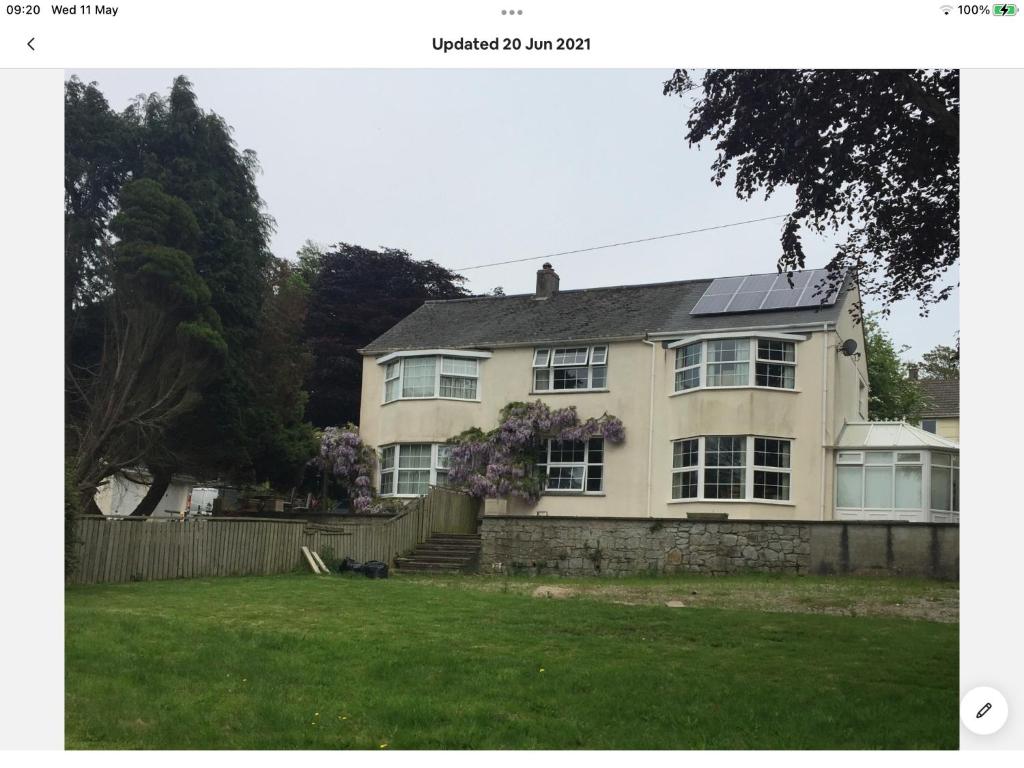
point(942, 362)
point(161, 339)
point(894, 396)
point(357, 295)
point(874, 154)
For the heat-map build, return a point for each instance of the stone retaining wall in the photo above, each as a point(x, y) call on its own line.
point(575, 546)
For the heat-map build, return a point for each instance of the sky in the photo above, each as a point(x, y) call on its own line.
point(469, 167)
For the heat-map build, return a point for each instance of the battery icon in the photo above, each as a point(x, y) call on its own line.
point(1004, 9)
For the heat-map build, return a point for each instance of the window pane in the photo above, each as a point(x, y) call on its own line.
point(413, 481)
point(724, 483)
point(599, 376)
point(595, 450)
point(772, 486)
point(941, 488)
point(414, 456)
point(684, 485)
point(563, 451)
point(391, 390)
point(444, 456)
point(878, 457)
point(878, 488)
point(442, 478)
point(687, 379)
point(928, 425)
point(457, 366)
point(908, 487)
point(771, 453)
point(850, 457)
point(773, 349)
point(688, 355)
point(725, 451)
point(775, 375)
point(594, 477)
point(540, 358)
point(728, 374)
point(850, 492)
point(418, 377)
point(565, 478)
point(387, 482)
point(542, 379)
point(570, 378)
point(912, 458)
point(956, 489)
point(387, 457)
point(454, 386)
point(942, 459)
point(391, 371)
point(684, 453)
point(576, 356)
point(728, 350)
point(599, 356)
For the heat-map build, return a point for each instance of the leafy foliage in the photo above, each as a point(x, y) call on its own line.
point(357, 295)
point(347, 458)
point(501, 463)
point(942, 362)
point(894, 397)
point(872, 153)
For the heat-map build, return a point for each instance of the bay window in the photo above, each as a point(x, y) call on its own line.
point(731, 467)
point(570, 368)
point(572, 465)
point(432, 376)
point(409, 469)
point(712, 363)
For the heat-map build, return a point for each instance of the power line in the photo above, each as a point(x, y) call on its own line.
point(625, 242)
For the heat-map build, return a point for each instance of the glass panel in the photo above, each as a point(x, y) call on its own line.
point(956, 489)
point(771, 453)
point(570, 356)
point(928, 425)
point(725, 451)
point(453, 386)
point(599, 376)
point(595, 450)
point(773, 349)
point(724, 483)
point(850, 482)
point(391, 390)
point(684, 485)
point(391, 371)
point(776, 375)
point(564, 451)
point(850, 457)
point(941, 488)
point(908, 487)
point(387, 457)
point(414, 456)
point(571, 378)
point(908, 458)
point(541, 379)
point(878, 457)
point(418, 377)
point(877, 488)
point(728, 374)
point(444, 456)
point(565, 478)
point(457, 366)
point(387, 483)
point(413, 481)
point(942, 459)
point(442, 478)
point(773, 486)
point(688, 355)
point(594, 476)
point(688, 379)
point(599, 356)
point(684, 453)
point(728, 350)
point(541, 357)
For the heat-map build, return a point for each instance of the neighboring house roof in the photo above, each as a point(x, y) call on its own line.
point(861, 435)
point(597, 314)
point(942, 398)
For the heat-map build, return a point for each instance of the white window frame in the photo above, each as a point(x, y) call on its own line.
point(436, 468)
point(586, 464)
point(544, 360)
point(439, 359)
point(752, 361)
point(925, 460)
point(748, 471)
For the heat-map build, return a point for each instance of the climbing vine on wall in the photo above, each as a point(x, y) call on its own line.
point(501, 463)
point(349, 460)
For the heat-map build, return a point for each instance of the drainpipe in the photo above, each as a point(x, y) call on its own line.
point(824, 411)
point(650, 428)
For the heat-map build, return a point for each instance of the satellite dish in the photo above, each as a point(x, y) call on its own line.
point(849, 347)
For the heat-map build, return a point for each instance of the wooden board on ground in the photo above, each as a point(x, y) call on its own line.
point(310, 560)
point(320, 562)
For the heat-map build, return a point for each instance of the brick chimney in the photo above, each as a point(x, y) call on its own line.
point(547, 282)
point(912, 372)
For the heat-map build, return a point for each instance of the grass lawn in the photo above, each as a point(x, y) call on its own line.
point(476, 662)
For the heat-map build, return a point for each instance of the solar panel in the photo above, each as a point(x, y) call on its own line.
point(758, 293)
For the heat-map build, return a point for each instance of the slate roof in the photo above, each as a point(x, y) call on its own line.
point(619, 312)
point(942, 398)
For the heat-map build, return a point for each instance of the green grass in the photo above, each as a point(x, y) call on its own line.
point(306, 662)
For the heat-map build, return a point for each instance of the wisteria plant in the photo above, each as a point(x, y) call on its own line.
point(350, 461)
point(501, 463)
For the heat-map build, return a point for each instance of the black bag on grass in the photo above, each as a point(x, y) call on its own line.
point(375, 569)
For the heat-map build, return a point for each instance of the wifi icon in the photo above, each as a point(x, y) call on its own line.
point(946, 9)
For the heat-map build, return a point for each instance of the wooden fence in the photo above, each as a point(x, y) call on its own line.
point(119, 549)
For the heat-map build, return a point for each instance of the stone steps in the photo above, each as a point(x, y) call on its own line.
point(443, 553)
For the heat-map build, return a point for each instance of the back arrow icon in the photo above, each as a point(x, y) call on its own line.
point(29, 43)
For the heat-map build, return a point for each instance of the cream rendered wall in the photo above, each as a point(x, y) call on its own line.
point(795, 415)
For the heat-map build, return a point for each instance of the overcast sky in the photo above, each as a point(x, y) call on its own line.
point(470, 167)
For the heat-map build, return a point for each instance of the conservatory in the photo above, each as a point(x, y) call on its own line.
point(894, 471)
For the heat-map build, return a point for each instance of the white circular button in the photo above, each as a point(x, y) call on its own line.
point(983, 710)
